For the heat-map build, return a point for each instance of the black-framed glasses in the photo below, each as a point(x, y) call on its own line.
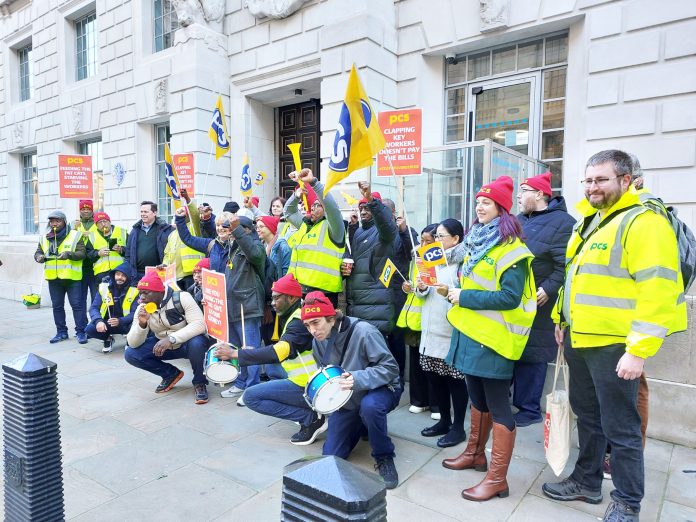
point(600, 182)
point(442, 236)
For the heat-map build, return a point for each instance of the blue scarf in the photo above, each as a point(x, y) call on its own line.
point(478, 242)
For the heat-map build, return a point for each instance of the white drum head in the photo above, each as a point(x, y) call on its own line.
point(222, 373)
point(331, 397)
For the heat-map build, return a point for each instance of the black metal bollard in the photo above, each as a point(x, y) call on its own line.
point(324, 489)
point(31, 435)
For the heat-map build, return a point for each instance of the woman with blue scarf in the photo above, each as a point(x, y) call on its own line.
point(492, 314)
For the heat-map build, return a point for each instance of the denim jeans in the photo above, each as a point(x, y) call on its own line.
point(346, 426)
point(248, 375)
point(280, 398)
point(528, 383)
point(89, 286)
point(58, 288)
point(91, 331)
point(194, 350)
point(606, 409)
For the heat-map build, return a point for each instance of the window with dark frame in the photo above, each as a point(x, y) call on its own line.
point(26, 80)
point(94, 148)
point(165, 23)
point(162, 136)
point(30, 193)
point(86, 46)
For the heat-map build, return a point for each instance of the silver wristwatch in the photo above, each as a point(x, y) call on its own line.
point(172, 339)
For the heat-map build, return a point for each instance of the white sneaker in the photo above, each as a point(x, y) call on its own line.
point(240, 402)
point(435, 416)
point(231, 392)
point(417, 409)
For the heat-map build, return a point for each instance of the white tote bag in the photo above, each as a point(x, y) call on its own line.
point(559, 419)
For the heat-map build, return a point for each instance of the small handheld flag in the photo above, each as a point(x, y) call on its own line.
point(172, 180)
point(245, 184)
point(358, 136)
point(349, 199)
point(387, 273)
point(432, 254)
point(259, 178)
point(218, 130)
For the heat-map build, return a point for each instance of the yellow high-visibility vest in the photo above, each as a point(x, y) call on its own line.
point(63, 268)
point(128, 300)
point(298, 372)
point(624, 288)
point(315, 260)
point(411, 314)
point(504, 331)
point(108, 263)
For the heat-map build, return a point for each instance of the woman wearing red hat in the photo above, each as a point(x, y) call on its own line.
point(492, 314)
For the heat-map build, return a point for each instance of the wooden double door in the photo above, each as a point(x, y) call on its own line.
point(297, 123)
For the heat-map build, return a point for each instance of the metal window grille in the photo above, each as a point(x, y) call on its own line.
point(94, 148)
point(162, 136)
point(26, 81)
point(166, 22)
point(30, 193)
point(86, 46)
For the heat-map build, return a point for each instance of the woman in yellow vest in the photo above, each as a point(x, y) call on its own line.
point(61, 251)
point(492, 314)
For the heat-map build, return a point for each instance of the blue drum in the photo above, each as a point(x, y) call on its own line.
point(323, 392)
point(218, 371)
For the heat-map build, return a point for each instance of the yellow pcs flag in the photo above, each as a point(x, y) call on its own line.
point(350, 199)
point(245, 184)
point(171, 178)
point(218, 130)
point(358, 136)
point(387, 273)
point(432, 254)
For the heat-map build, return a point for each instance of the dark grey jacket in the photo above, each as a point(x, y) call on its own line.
point(247, 258)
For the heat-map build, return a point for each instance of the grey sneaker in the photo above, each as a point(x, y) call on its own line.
point(620, 512)
point(387, 470)
point(231, 392)
point(568, 489)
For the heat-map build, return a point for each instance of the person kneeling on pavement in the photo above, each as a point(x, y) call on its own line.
point(370, 370)
point(174, 329)
point(112, 309)
point(284, 398)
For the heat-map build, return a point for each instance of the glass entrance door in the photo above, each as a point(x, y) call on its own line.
point(505, 112)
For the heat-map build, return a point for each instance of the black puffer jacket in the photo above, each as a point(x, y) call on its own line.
point(547, 233)
point(247, 261)
point(372, 244)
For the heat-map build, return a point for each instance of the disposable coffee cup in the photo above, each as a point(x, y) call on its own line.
point(349, 263)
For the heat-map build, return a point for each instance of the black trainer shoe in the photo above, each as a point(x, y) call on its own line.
point(387, 470)
point(58, 338)
point(568, 489)
point(620, 512)
point(309, 434)
point(168, 383)
point(201, 393)
point(108, 344)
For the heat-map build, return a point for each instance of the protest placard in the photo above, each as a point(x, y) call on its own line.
point(215, 304)
point(183, 163)
point(75, 176)
point(403, 131)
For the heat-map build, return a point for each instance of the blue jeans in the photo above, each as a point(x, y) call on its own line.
point(280, 398)
point(606, 409)
point(194, 350)
point(248, 375)
point(89, 285)
point(528, 380)
point(91, 331)
point(58, 288)
point(346, 426)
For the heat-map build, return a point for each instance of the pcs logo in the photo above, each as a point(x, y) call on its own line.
point(341, 149)
point(219, 130)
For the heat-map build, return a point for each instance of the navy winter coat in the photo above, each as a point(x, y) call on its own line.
point(546, 234)
point(161, 228)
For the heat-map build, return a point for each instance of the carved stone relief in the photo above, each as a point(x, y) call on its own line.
point(198, 11)
point(77, 119)
point(494, 14)
point(18, 135)
point(276, 9)
point(161, 95)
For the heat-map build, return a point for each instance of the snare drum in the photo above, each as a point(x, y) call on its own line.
point(323, 392)
point(218, 371)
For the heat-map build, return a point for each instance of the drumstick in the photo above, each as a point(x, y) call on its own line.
point(241, 307)
point(303, 364)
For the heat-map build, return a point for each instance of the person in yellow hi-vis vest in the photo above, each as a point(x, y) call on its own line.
point(320, 240)
point(492, 315)
point(108, 245)
point(284, 398)
point(623, 294)
point(61, 250)
point(86, 225)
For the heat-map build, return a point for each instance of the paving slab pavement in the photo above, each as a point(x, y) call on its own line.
point(130, 454)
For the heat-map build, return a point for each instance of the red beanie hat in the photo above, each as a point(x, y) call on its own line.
point(311, 197)
point(316, 304)
point(86, 203)
point(541, 182)
point(203, 263)
point(271, 223)
point(287, 285)
point(98, 216)
point(500, 191)
point(152, 282)
point(375, 195)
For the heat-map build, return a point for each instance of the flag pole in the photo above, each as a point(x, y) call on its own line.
point(403, 205)
point(207, 171)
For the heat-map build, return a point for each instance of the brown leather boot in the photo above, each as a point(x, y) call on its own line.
point(495, 481)
point(474, 455)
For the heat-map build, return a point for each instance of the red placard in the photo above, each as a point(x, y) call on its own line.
point(183, 163)
point(215, 304)
point(427, 275)
point(403, 131)
point(75, 176)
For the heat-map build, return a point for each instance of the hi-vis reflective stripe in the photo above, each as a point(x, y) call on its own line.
point(319, 247)
point(318, 268)
point(511, 255)
point(644, 328)
point(603, 270)
point(616, 255)
point(496, 316)
point(488, 284)
point(656, 271)
point(606, 302)
point(413, 309)
point(681, 298)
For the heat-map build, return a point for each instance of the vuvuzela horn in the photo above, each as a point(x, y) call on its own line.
point(295, 150)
